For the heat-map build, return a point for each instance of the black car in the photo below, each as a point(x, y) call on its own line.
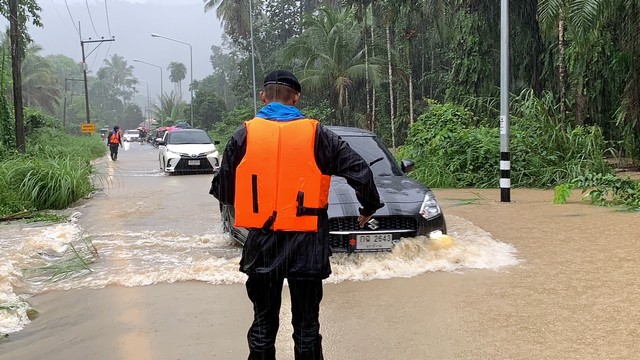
point(410, 210)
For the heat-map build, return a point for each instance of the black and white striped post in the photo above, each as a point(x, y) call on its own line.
point(505, 161)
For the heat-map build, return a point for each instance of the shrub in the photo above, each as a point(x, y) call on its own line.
point(450, 151)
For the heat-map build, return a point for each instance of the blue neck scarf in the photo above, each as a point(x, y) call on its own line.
point(280, 112)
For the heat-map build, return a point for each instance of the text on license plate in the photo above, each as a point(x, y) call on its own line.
point(194, 162)
point(374, 241)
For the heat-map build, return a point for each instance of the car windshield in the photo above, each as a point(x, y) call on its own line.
point(375, 153)
point(188, 137)
point(132, 132)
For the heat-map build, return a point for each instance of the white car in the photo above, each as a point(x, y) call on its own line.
point(131, 135)
point(188, 151)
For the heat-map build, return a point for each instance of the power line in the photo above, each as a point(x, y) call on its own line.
point(57, 11)
point(106, 10)
point(71, 16)
point(95, 57)
point(91, 18)
point(107, 54)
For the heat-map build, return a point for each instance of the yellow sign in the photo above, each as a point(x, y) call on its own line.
point(87, 128)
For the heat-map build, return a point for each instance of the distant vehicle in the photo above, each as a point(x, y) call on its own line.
point(411, 209)
point(188, 151)
point(131, 135)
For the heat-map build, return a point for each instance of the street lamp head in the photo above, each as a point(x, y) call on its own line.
point(154, 35)
point(136, 60)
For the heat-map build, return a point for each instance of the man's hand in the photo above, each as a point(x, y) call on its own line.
point(362, 220)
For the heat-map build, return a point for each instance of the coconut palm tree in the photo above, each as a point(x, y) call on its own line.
point(170, 108)
point(332, 56)
point(120, 73)
point(577, 16)
point(237, 22)
point(40, 86)
point(177, 73)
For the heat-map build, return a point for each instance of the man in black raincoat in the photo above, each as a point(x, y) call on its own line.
point(302, 257)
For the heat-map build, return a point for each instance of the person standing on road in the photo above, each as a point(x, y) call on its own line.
point(114, 139)
point(276, 171)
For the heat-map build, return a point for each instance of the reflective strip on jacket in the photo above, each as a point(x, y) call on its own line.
point(278, 183)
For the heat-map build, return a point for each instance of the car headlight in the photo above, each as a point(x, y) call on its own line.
point(429, 208)
point(207, 153)
point(175, 153)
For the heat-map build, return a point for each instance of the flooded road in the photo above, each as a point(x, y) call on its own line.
point(525, 280)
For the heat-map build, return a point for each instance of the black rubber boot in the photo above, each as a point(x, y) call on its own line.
point(314, 352)
point(262, 355)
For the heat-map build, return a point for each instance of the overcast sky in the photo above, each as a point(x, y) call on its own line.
point(131, 22)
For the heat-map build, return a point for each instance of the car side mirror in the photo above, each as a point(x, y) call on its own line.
point(160, 142)
point(407, 166)
point(216, 142)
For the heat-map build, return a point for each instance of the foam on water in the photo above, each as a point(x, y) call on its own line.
point(472, 248)
point(21, 247)
point(149, 257)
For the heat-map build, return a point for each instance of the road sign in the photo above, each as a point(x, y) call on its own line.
point(87, 128)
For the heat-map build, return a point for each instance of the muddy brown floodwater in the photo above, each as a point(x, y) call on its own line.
point(573, 295)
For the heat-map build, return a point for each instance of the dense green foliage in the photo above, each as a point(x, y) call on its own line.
point(376, 61)
point(223, 130)
point(423, 75)
point(53, 174)
point(450, 150)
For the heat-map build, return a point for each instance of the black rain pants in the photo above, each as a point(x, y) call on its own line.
point(266, 296)
point(114, 151)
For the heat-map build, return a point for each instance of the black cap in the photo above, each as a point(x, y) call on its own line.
point(282, 77)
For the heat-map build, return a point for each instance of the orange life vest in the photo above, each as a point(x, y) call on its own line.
point(278, 183)
point(114, 138)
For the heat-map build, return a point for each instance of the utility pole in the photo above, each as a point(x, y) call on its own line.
point(84, 68)
point(64, 106)
point(16, 60)
point(505, 156)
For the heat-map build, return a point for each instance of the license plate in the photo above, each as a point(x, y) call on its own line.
point(374, 241)
point(193, 162)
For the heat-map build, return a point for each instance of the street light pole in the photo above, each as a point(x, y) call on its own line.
point(191, 65)
point(159, 67)
point(147, 120)
point(253, 60)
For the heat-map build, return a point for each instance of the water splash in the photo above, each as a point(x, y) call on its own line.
point(129, 258)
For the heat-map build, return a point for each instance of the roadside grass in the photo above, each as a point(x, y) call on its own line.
point(53, 174)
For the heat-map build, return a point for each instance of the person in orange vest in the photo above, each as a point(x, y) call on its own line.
point(276, 171)
point(114, 139)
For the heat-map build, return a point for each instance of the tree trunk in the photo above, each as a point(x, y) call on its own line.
point(366, 71)
point(562, 68)
point(373, 92)
point(410, 85)
point(536, 71)
point(391, 98)
point(580, 104)
point(16, 63)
